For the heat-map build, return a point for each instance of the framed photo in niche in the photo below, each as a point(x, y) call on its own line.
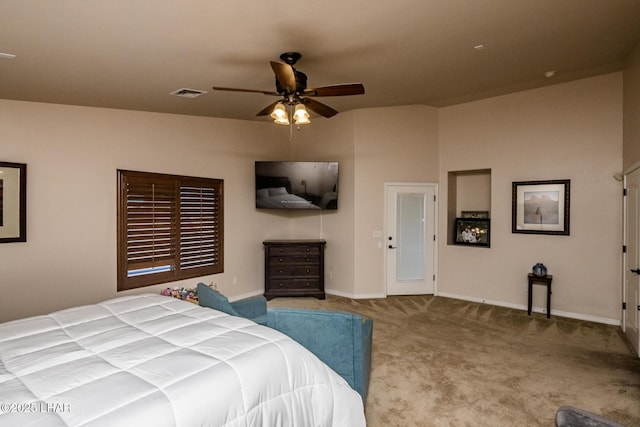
point(541, 207)
point(13, 202)
point(473, 231)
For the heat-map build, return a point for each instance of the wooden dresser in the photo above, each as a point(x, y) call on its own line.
point(294, 268)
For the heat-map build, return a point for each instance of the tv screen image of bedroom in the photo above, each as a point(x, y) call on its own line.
point(296, 185)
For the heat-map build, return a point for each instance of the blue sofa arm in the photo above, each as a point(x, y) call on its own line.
point(252, 308)
point(341, 340)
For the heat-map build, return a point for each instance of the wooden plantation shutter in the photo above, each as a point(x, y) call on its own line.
point(150, 225)
point(200, 225)
point(169, 228)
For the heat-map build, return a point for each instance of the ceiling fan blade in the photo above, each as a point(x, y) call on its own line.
point(233, 89)
point(318, 107)
point(336, 90)
point(268, 109)
point(285, 76)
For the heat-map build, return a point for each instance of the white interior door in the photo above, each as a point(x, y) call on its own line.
point(410, 238)
point(632, 260)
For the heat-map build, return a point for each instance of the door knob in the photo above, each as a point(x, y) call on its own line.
point(637, 271)
point(391, 247)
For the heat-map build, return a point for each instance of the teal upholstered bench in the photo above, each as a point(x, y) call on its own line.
point(341, 340)
point(254, 308)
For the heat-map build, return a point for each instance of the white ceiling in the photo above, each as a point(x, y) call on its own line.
point(131, 54)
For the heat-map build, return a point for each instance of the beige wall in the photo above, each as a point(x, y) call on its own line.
point(573, 131)
point(330, 140)
point(631, 155)
point(391, 145)
point(373, 146)
point(72, 154)
point(473, 192)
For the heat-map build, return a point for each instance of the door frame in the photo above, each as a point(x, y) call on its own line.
point(625, 262)
point(435, 228)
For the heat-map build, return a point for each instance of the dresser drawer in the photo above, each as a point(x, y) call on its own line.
point(295, 270)
point(275, 261)
point(294, 250)
point(293, 284)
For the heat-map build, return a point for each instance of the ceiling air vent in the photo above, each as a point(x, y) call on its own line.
point(188, 93)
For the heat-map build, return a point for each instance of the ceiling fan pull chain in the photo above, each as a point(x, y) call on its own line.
point(291, 131)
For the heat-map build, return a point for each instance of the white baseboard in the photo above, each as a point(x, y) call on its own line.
point(560, 313)
point(354, 296)
point(245, 296)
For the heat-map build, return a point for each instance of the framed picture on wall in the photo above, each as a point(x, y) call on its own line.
point(541, 207)
point(13, 202)
point(473, 231)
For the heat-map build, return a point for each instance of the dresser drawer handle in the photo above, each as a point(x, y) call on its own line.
point(281, 285)
point(281, 271)
point(280, 259)
point(308, 285)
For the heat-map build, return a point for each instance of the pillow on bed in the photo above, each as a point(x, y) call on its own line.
point(278, 191)
point(262, 193)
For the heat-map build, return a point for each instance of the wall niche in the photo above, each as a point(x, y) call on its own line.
point(468, 190)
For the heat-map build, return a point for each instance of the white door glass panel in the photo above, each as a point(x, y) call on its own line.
point(410, 236)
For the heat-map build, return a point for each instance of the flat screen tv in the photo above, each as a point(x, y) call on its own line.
point(296, 185)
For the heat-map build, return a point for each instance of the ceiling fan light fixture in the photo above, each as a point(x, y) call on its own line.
point(279, 114)
point(281, 121)
point(291, 87)
point(301, 116)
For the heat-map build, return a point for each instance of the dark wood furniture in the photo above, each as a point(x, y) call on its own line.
point(294, 268)
point(541, 280)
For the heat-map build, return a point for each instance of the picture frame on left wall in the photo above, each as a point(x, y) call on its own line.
point(13, 202)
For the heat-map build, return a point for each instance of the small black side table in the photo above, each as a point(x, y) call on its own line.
point(541, 280)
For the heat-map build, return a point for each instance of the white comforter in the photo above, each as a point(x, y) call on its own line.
point(150, 360)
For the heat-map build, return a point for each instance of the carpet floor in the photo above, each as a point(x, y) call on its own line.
point(444, 362)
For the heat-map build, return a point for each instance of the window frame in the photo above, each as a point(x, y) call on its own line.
point(187, 206)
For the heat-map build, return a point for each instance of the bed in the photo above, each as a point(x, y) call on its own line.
point(156, 360)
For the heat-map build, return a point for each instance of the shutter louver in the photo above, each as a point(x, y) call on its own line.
point(151, 224)
point(199, 226)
